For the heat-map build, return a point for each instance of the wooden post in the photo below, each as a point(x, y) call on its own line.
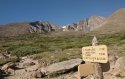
point(97, 66)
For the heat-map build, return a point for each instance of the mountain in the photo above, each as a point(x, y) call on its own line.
point(95, 24)
point(114, 24)
point(14, 29)
point(86, 25)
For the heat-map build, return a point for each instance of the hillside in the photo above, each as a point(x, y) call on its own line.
point(14, 29)
point(114, 24)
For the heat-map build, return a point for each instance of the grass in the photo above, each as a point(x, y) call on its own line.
point(11, 59)
point(28, 45)
point(57, 56)
point(51, 49)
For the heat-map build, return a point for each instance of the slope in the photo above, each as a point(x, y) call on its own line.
point(114, 24)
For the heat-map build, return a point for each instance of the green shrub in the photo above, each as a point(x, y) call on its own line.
point(26, 50)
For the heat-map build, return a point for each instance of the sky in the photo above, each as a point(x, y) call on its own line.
point(60, 12)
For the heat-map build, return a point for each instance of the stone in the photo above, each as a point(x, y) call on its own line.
point(112, 60)
point(8, 65)
point(85, 70)
point(120, 64)
point(26, 62)
point(33, 75)
point(11, 71)
point(32, 68)
point(64, 66)
point(41, 27)
point(37, 74)
point(90, 24)
point(3, 56)
point(87, 25)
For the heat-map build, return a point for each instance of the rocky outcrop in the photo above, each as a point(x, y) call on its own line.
point(86, 25)
point(70, 27)
point(95, 22)
point(41, 27)
point(90, 23)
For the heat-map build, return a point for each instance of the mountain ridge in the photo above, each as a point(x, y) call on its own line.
point(114, 23)
point(94, 24)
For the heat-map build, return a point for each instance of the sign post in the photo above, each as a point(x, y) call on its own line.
point(97, 66)
point(95, 54)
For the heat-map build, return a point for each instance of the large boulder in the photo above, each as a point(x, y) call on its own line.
point(64, 66)
point(120, 64)
point(90, 24)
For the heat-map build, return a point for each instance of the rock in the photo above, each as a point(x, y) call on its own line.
point(32, 68)
point(37, 74)
point(90, 23)
point(120, 64)
point(112, 60)
point(110, 76)
point(94, 22)
point(10, 71)
point(26, 62)
point(64, 66)
point(33, 75)
point(3, 56)
point(9, 68)
point(8, 65)
point(87, 25)
point(43, 70)
point(69, 27)
point(89, 77)
point(72, 75)
point(41, 27)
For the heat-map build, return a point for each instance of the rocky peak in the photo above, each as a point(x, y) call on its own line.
point(40, 27)
point(86, 25)
point(70, 27)
point(95, 22)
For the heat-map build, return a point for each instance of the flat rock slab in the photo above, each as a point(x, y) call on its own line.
point(64, 66)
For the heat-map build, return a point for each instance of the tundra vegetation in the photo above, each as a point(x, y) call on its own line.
point(55, 48)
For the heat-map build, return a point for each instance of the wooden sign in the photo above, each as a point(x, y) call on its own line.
point(85, 70)
point(95, 54)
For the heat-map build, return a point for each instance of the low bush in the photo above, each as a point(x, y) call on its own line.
point(26, 50)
